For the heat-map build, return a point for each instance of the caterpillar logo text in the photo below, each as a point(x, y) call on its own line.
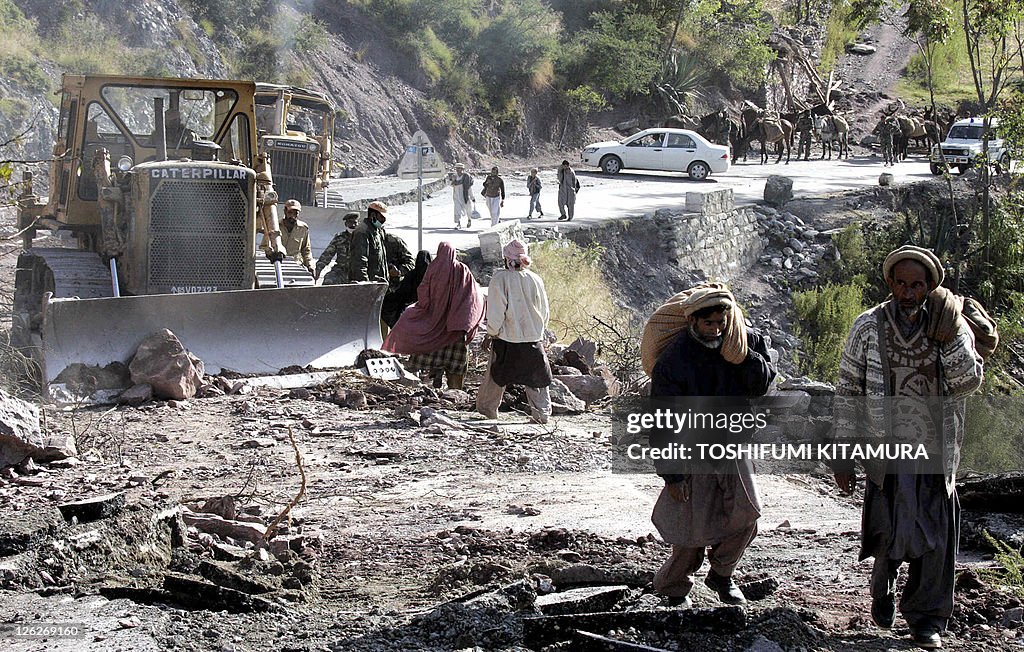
point(198, 173)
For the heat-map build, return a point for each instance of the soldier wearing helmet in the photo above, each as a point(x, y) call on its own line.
point(295, 235)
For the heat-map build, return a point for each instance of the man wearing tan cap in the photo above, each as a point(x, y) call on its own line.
point(462, 195)
point(295, 235)
point(914, 345)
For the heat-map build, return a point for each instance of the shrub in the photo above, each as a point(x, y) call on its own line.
point(310, 36)
point(259, 57)
point(824, 317)
point(582, 304)
point(620, 53)
point(1011, 571)
point(519, 41)
point(840, 30)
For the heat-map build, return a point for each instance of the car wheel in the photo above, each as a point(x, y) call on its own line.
point(699, 170)
point(963, 168)
point(611, 164)
point(935, 168)
point(1003, 165)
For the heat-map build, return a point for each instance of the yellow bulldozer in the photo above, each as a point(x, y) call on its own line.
point(159, 184)
point(296, 129)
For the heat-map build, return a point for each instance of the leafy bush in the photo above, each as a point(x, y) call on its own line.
point(1011, 562)
point(583, 99)
point(824, 317)
point(732, 40)
point(582, 305)
point(619, 54)
point(841, 29)
point(519, 41)
point(235, 16)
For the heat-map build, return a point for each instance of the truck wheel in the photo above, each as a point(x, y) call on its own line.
point(1003, 164)
point(935, 168)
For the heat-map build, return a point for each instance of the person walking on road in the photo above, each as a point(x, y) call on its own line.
point(462, 195)
point(533, 186)
point(517, 314)
point(494, 195)
point(568, 186)
point(713, 355)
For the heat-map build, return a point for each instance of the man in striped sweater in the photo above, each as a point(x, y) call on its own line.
point(912, 350)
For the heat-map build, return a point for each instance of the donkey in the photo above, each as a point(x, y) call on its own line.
point(833, 129)
point(770, 131)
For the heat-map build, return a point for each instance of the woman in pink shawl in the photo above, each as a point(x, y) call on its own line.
point(436, 329)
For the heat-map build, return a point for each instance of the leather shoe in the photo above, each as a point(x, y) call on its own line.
point(926, 638)
point(883, 610)
point(680, 602)
point(726, 589)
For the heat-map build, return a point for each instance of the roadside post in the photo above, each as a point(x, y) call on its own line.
point(420, 160)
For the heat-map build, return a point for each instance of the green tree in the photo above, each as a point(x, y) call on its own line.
point(516, 45)
point(620, 54)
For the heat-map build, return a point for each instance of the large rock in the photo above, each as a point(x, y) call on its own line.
point(21, 437)
point(494, 239)
point(562, 400)
point(778, 190)
point(162, 361)
point(586, 388)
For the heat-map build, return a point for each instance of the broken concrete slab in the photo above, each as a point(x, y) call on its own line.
point(162, 361)
point(590, 641)
point(494, 239)
point(18, 535)
point(207, 595)
point(225, 576)
point(587, 599)
point(224, 528)
point(547, 630)
point(587, 575)
point(93, 509)
point(21, 436)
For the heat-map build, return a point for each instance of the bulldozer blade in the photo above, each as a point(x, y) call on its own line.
point(246, 331)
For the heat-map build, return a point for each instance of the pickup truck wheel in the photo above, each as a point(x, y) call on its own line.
point(963, 168)
point(1003, 164)
point(935, 168)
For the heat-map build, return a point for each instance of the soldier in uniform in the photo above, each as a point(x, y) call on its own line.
point(338, 250)
point(804, 127)
point(888, 133)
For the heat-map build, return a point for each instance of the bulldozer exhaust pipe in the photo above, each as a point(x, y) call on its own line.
point(161, 129)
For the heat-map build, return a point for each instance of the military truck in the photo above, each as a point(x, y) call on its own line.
point(158, 183)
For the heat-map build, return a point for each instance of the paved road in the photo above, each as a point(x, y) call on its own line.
point(625, 194)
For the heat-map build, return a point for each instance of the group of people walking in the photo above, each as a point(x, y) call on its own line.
point(494, 194)
point(918, 345)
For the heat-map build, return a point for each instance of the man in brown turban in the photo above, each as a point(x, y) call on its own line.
point(712, 356)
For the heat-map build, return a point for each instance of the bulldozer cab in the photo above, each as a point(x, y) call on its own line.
point(117, 113)
point(296, 128)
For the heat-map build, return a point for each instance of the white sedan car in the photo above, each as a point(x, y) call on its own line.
point(674, 150)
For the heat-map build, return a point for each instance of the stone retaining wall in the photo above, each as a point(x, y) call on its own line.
point(707, 236)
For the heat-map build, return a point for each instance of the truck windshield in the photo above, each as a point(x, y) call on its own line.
point(967, 132)
point(189, 113)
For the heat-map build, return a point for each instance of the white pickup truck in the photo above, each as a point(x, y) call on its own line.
point(965, 142)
